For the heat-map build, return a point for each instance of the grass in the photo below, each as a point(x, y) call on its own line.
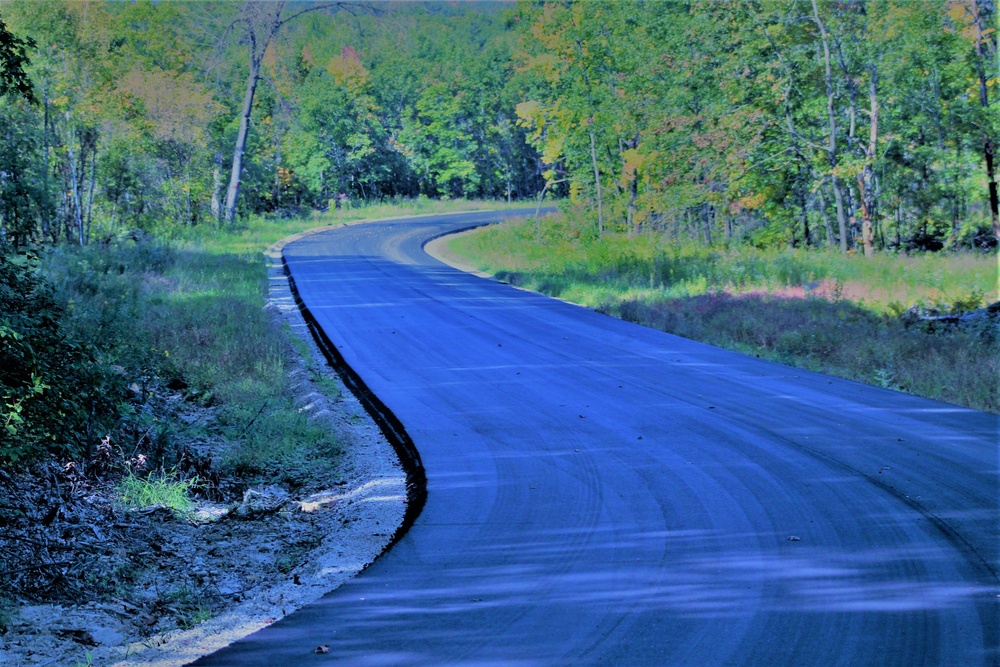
point(189, 606)
point(815, 309)
point(164, 489)
point(187, 312)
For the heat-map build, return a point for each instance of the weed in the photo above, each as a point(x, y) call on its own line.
point(285, 563)
point(164, 489)
point(188, 606)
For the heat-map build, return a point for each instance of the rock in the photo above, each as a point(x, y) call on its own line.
point(156, 512)
point(79, 635)
point(106, 636)
point(209, 512)
point(260, 501)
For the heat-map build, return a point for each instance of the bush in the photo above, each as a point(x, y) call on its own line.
point(55, 394)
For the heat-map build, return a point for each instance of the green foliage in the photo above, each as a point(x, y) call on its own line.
point(13, 60)
point(22, 195)
point(174, 314)
point(190, 606)
point(95, 333)
point(56, 395)
point(712, 120)
point(7, 612)
point(707, 121)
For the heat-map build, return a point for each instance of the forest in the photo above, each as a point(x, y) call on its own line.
point(860, 124)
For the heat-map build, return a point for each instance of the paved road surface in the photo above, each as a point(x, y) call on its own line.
point(601, 493)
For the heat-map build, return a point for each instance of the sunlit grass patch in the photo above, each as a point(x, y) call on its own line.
point(162, 489)
point(552, 250)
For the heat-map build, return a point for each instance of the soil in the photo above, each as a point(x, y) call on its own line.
point(155, 587)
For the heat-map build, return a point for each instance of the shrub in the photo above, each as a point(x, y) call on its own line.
point(55, 394)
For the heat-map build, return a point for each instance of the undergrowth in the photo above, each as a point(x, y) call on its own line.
point(845, 315)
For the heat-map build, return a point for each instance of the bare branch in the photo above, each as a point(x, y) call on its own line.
point(327, 5)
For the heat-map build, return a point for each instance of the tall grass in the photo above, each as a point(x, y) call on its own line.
point(165, 489)
point(555, 252)
point(817, 309)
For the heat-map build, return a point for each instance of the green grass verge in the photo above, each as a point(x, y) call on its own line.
point(814, 309)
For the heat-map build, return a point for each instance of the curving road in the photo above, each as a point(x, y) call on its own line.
point(601, 493)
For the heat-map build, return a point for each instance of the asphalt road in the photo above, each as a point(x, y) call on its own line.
point(601, 493)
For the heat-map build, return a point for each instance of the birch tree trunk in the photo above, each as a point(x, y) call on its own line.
point(233, 191)
point(74, 181)
point(983, 35)
point(216, 205)
point(866, 179)
point(597, 180)
point(261, 22)
point(90, 194)
point(838, 196)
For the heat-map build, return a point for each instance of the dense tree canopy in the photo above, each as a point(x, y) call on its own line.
point(861, 124)
point(865, 123)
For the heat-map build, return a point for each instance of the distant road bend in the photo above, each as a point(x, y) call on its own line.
point(602, 493)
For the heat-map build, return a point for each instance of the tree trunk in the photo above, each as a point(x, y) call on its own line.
point(46, 223)
point(597, 180)
point(90, 195)
point(838, 196)
point(826, 218)
point(233, 192)
point(262, 21)
point(706, 217)
point(74, 184)
point(982, 22)
point(866, 179)
point(632, 208)
point(988, 151)
point(216, 205)
point(804, 202)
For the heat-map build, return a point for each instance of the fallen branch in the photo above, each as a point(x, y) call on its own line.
point(247, 427)
point(40, 566)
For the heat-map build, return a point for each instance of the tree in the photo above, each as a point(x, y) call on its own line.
point(832, 137)
point(985, 40)
point(259, 23)
point(18, 159)
point(13, 60)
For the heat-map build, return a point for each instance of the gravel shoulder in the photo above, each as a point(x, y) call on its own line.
point(244, 565)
